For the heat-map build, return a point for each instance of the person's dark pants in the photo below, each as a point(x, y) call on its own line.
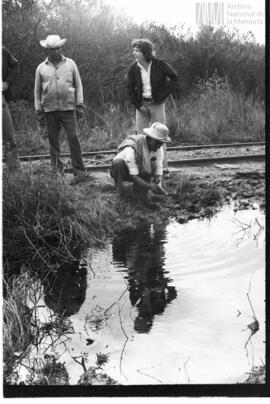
point(68, 120)
point(11, 153)
point(120, 173)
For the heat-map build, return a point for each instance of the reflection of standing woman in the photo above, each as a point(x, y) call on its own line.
point(150, 81)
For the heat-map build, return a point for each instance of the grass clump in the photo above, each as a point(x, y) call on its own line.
point(206, 195)
point(46, 221)
point(194, 195)
point(94, 376)
point(184, 184)
point(51, 373)
point(17, 331)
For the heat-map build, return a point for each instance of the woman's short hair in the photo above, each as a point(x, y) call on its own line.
point(145, 46)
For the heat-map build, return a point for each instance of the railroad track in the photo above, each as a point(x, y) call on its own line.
point(98, 166)
point(176, 148)
point(188, 162)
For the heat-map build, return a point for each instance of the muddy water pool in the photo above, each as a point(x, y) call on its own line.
point(170, 304)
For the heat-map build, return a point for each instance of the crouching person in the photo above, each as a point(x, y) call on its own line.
point(140, 160)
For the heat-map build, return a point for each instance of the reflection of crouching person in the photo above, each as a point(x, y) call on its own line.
point(140, 160)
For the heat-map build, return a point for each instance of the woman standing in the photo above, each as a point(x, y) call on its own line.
point(150, 81)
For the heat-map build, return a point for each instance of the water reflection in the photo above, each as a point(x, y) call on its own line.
point(64, 291)
point(200, 337)
point(142, 254)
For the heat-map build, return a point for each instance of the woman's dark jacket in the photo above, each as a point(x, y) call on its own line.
point(160, 85)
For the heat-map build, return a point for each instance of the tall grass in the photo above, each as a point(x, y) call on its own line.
point(46, 221)
point(106, 129)
point(46, 224)
point(212, 113)
point(17, 332)
point(24, 331)
point(97, 130)
point(30, 137)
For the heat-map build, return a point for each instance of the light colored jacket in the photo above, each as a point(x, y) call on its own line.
point(58, 87)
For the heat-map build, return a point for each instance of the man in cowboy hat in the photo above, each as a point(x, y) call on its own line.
point(59, 98)
point(139, 160)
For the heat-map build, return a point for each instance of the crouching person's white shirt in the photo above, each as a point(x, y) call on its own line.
point(156, 158)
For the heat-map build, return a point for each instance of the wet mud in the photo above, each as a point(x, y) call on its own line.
point(196, 192)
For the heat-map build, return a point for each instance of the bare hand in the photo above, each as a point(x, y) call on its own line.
point(41, 118)
point(5, 85)
point(79, 112)
point(157, 189)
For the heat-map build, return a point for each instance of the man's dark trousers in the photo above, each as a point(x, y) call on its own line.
point(68, 120)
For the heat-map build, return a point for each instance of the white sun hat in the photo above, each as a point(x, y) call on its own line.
point(52, 41)
point(158, 131)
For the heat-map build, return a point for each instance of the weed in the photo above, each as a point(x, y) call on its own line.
point(94, 377)
point(17, 331)
point(211, 196)
point(257, 375)
point(102, 359)
point(52, 373)
point(184, 184)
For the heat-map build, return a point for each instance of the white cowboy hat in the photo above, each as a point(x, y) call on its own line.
point(158, 131)
point(52, 41)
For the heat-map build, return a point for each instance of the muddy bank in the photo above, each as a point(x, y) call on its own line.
point(196, 192)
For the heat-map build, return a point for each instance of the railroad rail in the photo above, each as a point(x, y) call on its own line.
point(179, 148)
point(188, 162)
